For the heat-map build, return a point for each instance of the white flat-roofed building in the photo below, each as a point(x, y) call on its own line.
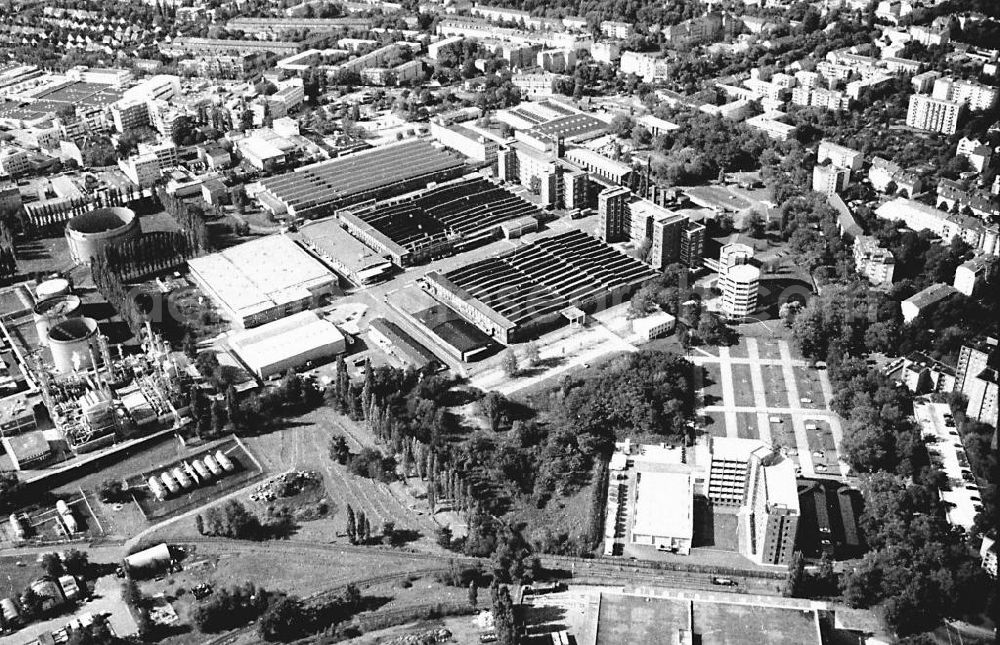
point(769, 123)
point(260, 152)
point(262, 280)
point(597, 164)
point(937, 115)
point(287, 344)
point(739, 286)
point(769, 521)
point(970, 275)
point(467, 139)
point(664, 511)
point(840, 156)
point(919, 216)
point(348, 255)
point(829, 179)
point(654, 325)
point(873, 261)
point(657, 126)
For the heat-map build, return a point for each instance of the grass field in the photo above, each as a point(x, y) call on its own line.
point(782, 433)
point(768, 349)
point(275, 566)
point(304, 445)
point(809, 388)
point(711, 375)
point(644, 621)
point(714, 423)
point(775, 391)
point(743, 386)
point(740, 349)
point(746, 425)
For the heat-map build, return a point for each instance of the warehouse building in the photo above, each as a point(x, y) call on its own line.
point(523, 293)
point(664, 511)
point(287, 344)
point(321, 188)
point(396, 342)
point(347, 255)
point(262, 280)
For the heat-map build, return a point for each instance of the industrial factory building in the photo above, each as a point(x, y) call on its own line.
point(321, 188)
point(522, 293)
point(287, 344)
point(262, 280)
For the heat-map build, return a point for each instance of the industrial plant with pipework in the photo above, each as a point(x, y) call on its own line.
point(439, 220)
point(90, 233)
point(320, 189)
point(520, 294)
point(262, 280)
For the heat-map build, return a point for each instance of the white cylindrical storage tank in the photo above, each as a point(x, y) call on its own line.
point(9, 610)
point(73, 343)
point(16, 526)
point(202, 470)
point(90, 233)
point(224, 461)
point(70, 522)
point(61, 507)
point(52, 288)
point(156, 488)
point(182, 478)
point(169, 482)
point(52, 311)
point(191, 473)
point(213, 465)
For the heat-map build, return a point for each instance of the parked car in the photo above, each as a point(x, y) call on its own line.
point(725, 582)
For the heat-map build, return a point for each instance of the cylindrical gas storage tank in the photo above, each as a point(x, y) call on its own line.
point(169, 482)
point(213, 465)
point(224, 461)
point(70, 522)
point(156, 488)
point(9, 610)
point(202, 470)
point(52, 311)
point(73, 342)
point(52, 288)
point(90, 233)
point(191, 473)
point(17, 526)
point(182, 478)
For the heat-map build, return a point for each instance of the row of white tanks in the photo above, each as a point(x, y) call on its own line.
point(19, 524)
point(190, 474)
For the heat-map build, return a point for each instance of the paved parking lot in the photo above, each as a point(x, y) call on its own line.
point(946, 451)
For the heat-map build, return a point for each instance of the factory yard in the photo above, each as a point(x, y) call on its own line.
point(758, 390)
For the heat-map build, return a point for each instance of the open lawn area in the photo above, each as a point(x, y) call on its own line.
point(711, 383)
point(746, 425)
point(743, 386)
point(775, 392)
point(740, 349)
point(714, 423)
point(809, 388)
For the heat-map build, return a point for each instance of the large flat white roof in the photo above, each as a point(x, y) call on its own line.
point(260, 274)
point(664, 505)
point(781, 485)
point(274, 342)
point(735, 449)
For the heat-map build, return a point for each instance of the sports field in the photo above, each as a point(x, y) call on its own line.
point(647, 621)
